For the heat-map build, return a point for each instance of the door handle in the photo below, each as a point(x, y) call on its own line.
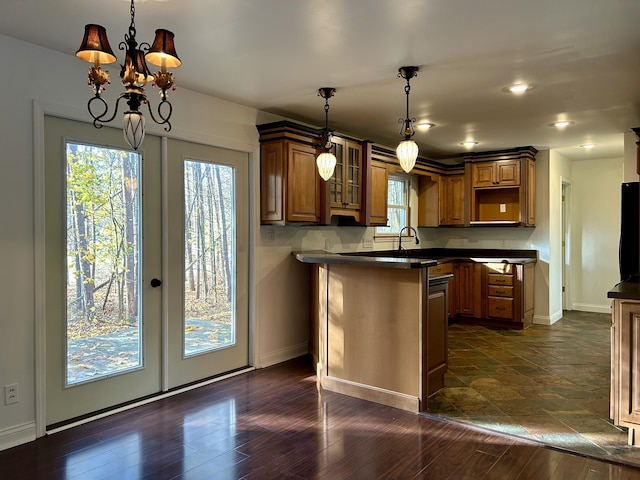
point(155, 282)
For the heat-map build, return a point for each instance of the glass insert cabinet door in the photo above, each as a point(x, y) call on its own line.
point(344, 186)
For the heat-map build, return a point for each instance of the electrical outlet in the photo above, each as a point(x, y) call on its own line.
point(503, 208)
point(11, 394)
point(270, 234)
point(367, 243)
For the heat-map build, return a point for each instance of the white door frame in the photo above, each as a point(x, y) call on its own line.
point(40, 109)
point(567, 299)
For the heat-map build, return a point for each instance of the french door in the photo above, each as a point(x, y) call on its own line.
point(146, 266)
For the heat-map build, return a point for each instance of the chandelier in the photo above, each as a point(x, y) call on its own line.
point(407, 150)
point(326, 161)
point(135, 75)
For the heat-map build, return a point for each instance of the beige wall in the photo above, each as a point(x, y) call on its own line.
point(595, 228)
point(279, 300)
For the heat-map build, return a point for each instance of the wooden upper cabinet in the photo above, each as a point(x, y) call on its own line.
point(290, 187)
point(502, 187)
point(379, 193)
point(272, 176)
point(498, 173)
point(345, 186)
point(530, 195)
point(452, 199)
point(303, 188)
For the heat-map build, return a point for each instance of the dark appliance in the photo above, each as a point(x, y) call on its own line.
point(629, 250)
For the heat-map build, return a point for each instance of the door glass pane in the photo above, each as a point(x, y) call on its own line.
point(103, 334)
point(209, 257)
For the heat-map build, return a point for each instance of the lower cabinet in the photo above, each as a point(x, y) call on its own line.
point(437, 337)
point(469, 289)
point(492, 293)
point(508, 293)
point(625, 367)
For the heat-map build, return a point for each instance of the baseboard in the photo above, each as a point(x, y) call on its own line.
point(282, 355)
point(550, 320)
point(14, 436)
point(586, 307)
point(372, 394)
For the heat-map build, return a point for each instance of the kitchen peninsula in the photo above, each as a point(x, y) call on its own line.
point(380, 319)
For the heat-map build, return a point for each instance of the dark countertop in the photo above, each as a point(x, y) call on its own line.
point(420, 257)
point(629, 289)
point(362, 260)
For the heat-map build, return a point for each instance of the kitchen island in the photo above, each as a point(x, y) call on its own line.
point(380, 318)
point(371, 327)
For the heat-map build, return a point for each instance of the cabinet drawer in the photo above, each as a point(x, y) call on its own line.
point(441, 269)
point(498, 291)
point(498, 279)
point(500, 307)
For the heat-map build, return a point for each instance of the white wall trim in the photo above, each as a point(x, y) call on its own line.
point(39, 110)
point(39, 269)
point(282, 355)
point(17, 435)
point(544, 320)
point(587, 307)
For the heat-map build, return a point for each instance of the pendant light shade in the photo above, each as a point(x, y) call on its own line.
point(326, 163)
point(163, 51)
point(133, 128)
point(95, 46)
point(407, 153)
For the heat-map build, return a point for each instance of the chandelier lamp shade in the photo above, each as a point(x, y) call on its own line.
point(326, 161)
point(135, 75)
point(407, 150)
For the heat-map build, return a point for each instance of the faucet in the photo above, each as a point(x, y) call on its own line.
point(415, 234)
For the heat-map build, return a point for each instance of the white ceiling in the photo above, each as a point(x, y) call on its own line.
point(582, 56)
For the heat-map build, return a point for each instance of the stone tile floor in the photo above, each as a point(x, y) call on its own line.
point(548, 383)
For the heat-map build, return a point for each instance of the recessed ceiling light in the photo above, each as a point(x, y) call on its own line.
point(469, 143)
point(561, 123)
point(518, 88)
point(425, 125)
point(588, 146)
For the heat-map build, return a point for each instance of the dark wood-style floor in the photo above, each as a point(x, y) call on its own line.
point(273, 423)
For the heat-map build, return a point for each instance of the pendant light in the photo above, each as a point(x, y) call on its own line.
point(407, 150)
point(135, 75)
point(326, 161)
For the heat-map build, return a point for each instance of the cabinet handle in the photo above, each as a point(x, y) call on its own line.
point(500, 308)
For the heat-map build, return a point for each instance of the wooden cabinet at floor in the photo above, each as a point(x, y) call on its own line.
point(625, 367)
point(452, 286)
point(437, 337)
point(508, 293)
point(345, 186)
point(452, 199)
point(290, 187)
point(470, 289)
